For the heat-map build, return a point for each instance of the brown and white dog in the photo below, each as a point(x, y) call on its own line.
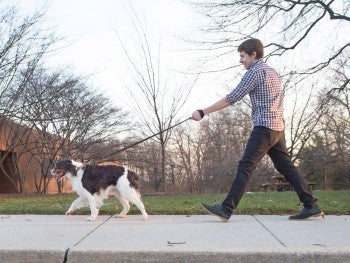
point(93, 184)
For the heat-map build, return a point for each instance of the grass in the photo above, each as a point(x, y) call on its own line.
point(332, 202)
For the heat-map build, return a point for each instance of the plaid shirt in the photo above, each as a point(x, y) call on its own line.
point(266, 94)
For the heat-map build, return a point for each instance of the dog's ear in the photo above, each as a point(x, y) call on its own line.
point(69, 167)
point(77, 164)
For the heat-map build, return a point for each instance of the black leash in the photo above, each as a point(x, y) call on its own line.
point(145, 139)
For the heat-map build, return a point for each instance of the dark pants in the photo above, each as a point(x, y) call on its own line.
point(265, 141)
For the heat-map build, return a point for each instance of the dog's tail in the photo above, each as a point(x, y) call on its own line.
point(133, 178)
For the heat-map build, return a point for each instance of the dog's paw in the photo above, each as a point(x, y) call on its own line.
point(120, 216)
point(69, 212)
point(91, 218)
point(144, 217)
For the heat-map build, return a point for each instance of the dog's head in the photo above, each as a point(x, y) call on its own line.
point(65, 167)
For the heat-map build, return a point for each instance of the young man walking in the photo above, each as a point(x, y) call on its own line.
point(264, 87)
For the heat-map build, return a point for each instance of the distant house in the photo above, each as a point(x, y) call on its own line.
point(24, 165)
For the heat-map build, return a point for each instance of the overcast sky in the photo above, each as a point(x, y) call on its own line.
point(91, 47)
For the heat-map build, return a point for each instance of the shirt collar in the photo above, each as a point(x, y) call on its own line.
point(256, 63)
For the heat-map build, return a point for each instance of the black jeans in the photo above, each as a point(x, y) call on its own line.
point(265, 141)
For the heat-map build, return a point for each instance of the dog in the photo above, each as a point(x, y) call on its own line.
point(93, 183)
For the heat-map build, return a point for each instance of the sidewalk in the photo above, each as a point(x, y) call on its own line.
point(198, 238)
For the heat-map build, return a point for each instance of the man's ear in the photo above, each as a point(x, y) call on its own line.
point(253, 55)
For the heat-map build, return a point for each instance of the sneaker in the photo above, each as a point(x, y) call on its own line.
point(308, 213)
point(217, 210)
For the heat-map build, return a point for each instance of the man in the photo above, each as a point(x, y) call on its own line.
point(264, 87)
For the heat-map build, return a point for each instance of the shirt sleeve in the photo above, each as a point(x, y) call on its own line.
point(247, 84)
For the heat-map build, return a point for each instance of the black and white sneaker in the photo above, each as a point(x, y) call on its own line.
point(218, 210)
point(307, 213)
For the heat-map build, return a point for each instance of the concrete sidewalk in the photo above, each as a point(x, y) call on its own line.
point(260, 238)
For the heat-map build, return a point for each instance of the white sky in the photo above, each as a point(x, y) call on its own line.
point(91, 47)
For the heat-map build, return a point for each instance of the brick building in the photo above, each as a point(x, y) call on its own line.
point(24, 165)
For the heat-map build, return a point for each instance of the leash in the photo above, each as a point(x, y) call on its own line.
point(145, 139)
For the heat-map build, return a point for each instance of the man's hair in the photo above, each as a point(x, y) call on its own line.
point(252, 45)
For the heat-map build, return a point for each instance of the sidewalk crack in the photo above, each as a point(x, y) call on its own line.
point(275, 237)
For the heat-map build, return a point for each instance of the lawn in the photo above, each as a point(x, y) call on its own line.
point(332, 202)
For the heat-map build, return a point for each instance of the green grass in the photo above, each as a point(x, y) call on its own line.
point(332, 202)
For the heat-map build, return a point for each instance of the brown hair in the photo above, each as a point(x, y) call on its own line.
point(252, 45)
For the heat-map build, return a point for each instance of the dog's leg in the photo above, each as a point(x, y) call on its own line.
point(125, 204)
point(136, 200)
point(92, 204)
point(77, 203)
point(130, 194)
point(133, 196)
point(98, 200)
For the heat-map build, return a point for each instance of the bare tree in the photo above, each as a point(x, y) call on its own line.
point(59, 116)
point(286, 28)
point(304, 120)
point(288, 24)
point(23, 44)
point(187, 176)
point(207, 160)
point(340, 84)
point(326, 157)
point(157, 103)
point(336, 129)
point(65, 106)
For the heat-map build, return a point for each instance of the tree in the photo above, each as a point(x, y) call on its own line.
point(186, 152)
point(305, 39)
point(81, 118)
point(23, 44)
point(58, 116)
point(304, 122)
point(289, 25)
point(157, 103)
point(326, 157)
point(207, 160)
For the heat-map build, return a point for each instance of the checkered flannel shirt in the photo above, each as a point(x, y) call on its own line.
point(266, 94)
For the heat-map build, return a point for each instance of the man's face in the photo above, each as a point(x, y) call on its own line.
point(247, 60)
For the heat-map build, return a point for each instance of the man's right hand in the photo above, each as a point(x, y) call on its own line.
point(196, 116)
